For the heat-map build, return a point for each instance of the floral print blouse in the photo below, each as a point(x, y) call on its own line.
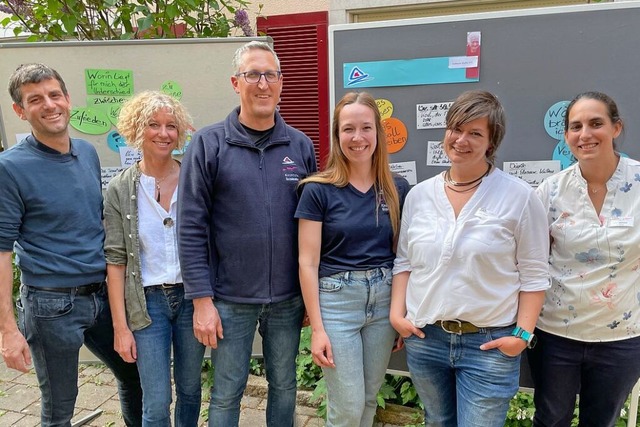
point(594, 259)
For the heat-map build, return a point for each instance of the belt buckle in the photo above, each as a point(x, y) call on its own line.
point(454, 321)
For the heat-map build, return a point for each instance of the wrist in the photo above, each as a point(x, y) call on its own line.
point(528, 337)
point(9, 327)
point(202, 302)
point(118, 328)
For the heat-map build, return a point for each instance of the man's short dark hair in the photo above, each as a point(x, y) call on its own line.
point(32, 73)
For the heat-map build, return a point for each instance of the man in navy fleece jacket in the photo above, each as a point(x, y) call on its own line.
point(238, 242)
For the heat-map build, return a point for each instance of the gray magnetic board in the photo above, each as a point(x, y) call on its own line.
point(531, 59)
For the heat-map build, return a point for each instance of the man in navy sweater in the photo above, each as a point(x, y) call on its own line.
point(51, 216)
point(238, 239)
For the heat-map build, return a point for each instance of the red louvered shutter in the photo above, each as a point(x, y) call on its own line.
point(300, 41)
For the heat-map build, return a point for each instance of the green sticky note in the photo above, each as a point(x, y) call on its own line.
point(110, 105)
point(109, 82)
point(90, 120)
point(172, 88)
point(113, 113)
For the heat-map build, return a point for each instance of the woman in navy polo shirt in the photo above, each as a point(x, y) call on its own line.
point(349, 221)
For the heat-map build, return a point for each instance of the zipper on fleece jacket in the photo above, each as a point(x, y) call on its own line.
point(265, 187)
point(265, 183)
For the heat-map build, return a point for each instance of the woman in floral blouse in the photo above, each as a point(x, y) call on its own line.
point(588, 332)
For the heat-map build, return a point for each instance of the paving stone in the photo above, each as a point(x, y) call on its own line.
point(92, 396)
point(20, 401)
point(256, 386)
point(262, 406)
point(19, 397)
point(96, 375)
point(10, 418)
point(312, 422)
point(7, 374)
point(306, 411)
point(250, 402)
point(252, 418)
point(111, 406)
point(5, 386)
point(28, 379)
point(29, 421)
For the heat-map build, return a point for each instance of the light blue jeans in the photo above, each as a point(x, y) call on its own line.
point(459, 384)
point(172, 325)
point(279, 327)
point(355, 315)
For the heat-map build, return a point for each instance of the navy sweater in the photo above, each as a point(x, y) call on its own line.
point(51, 208)
point(237, 237)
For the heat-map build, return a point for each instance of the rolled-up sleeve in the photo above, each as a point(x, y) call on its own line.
point(532, 252)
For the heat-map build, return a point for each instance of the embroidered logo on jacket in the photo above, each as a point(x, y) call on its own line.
point(290, 170)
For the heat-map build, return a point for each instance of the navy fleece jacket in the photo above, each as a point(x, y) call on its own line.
point(237, 236)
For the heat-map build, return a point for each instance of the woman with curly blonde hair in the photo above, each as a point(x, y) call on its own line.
point(150, 314)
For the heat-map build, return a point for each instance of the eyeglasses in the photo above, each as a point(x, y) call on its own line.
point(253, 77)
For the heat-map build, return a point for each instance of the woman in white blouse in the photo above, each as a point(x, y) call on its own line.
point(150, 315)
point(470, 273)
point(589, 327)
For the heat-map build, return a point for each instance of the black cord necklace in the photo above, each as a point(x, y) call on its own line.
point(450, 182)
point(466, 190)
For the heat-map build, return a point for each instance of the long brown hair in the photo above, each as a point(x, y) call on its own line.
point(337, 170)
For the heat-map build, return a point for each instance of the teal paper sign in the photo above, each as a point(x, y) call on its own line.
point(404, 72)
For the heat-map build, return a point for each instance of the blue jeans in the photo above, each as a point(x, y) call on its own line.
point(602, 372)
point(172, 324)
point(280, 325)
point(56, 325)
point(355, 314)
point(459, 384)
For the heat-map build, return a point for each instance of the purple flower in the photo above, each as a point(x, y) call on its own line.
point(241, 20)
point(19, 6)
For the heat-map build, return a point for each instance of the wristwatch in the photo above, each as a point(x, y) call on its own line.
point(528, 337)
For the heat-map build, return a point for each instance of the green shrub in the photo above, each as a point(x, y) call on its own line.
point(16, 282)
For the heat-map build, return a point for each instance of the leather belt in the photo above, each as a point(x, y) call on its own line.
point(165, 286)
point(84, 290)
point(458, 327)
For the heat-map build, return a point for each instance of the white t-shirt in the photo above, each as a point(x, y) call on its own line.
point(472, 268)
point(595, 260)
point(158, 242)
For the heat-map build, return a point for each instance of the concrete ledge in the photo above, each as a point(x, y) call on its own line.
point(392, 414)
point(399, 415)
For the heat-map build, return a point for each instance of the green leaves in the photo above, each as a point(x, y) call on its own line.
point(69, 22)
point(113, 19)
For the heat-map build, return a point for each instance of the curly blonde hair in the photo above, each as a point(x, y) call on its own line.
point(137, 112)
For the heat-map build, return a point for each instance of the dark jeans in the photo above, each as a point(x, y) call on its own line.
point(56, 325)
point(603, 373)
